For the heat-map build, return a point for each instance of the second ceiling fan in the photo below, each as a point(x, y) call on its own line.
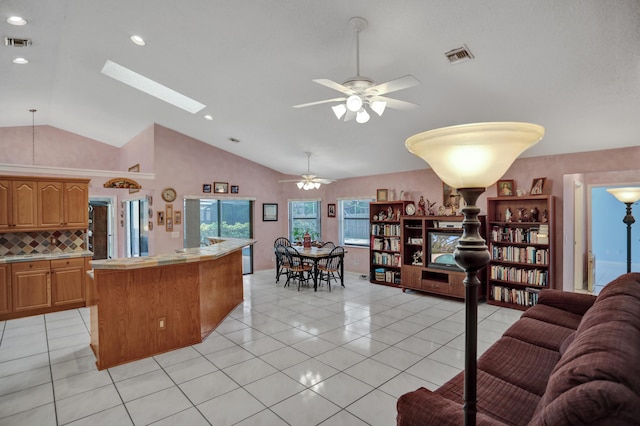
point(361, 93)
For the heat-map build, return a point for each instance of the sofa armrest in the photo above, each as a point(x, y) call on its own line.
point(576, 303)
point(423, 408)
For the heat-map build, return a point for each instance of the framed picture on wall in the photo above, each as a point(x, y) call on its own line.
point(269, 212)
point(382, 195)
point(506, 188)
point(235, 189)
point(331, 210)
point(177, 217)
point(206, 188)
point(220, 187)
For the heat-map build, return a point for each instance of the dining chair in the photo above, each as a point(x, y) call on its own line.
point(282, 262)
point(329, 267)
point(298, 268)
point(328, 244)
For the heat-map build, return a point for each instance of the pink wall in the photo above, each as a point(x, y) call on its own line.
point(185, 164)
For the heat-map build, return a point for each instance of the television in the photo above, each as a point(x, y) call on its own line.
point(441, 247)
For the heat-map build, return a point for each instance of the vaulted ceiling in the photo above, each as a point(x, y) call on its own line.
point(572, 66)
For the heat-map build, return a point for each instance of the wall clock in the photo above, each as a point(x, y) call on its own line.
point(169, 195)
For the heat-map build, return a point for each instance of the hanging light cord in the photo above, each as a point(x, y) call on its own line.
point(33, 136)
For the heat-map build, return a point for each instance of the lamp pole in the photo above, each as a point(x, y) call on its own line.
point(628, 220)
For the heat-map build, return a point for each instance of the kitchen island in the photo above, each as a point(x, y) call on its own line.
point(145, 306)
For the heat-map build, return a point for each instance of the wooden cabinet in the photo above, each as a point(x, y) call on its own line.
point(63, 205)
point(521, 235)
point(5, 289)
point(385, 242)
point(427, 255)
point(67, 279)
point(18, 205)
point(31, 285)
point(33, 204)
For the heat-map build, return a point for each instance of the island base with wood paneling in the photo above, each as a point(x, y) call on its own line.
point(146, 306)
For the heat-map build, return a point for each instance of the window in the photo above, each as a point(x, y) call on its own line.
point(304, 216)
point(354, 222)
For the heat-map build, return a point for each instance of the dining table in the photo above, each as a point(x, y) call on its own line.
point(315, 254)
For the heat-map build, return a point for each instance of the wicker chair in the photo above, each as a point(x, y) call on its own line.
point(298, 268)
point(329, 268)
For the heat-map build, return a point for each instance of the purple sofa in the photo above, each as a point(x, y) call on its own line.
point(572, 359)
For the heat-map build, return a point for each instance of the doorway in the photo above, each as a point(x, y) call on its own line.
point(101, 233)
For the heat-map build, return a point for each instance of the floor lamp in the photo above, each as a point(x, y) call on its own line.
point(627, 196)
point(471, 157)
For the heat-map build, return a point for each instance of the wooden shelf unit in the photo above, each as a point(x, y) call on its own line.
point(385, 253)
point(416, 275)
point(522, 249)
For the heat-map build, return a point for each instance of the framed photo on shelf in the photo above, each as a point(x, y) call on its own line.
point(269, 212)
point(537, 186)
point(382, 195)
point(220, 187)
point(331, 210)
point(235, 189)
point(206, 188)
point(506, 188)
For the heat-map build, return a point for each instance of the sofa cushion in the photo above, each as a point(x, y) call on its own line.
point(568, 341)
point(575, 303)
point(553, 316)
point(511, 359)
point(539, 333)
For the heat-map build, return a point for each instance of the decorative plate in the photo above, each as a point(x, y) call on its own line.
point(410, 209)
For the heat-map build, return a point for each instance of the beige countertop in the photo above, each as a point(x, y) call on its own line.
point(222, 247)
point(44, 256)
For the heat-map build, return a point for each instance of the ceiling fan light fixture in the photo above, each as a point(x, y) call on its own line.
point(316, 185)
point(363, 116)
point(300, 184)
point(378, 107)
point(354, 103)
point(339, 110)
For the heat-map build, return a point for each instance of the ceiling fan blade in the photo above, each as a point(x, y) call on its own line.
point(335, 86)
point(393, 85)
point(289, 180)
point(323, 181)
point(320, 102)
point(396, 103)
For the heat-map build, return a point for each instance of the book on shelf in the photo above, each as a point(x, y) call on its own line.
point(536, 277)
point(524, 297)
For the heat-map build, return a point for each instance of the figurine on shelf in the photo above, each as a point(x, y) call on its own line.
point(442, 210)
point(382, 215)
point(398, 214)
point(390, 213)
point(523, 215)
point(545, 216)
point(535, 214)
point(507, 215)
point(430, 210)
point(417, 258)
point(421, 207)
point(392, 194)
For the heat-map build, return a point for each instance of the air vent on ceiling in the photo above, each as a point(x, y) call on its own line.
point(17, 42)
point(460, 54)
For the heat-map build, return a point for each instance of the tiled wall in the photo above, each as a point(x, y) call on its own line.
point(40, 242)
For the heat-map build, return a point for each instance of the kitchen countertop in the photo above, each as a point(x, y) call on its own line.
point(221, 248)
point(43, 256)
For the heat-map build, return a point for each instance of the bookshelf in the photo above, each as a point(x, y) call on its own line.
point(385, 245)
point(522, 249)
point(434, 271)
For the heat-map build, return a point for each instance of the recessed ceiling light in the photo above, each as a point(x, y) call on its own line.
point(138, 40)
point(150, 87)
point(20, 61)
point(16, 20)
point(208, 117)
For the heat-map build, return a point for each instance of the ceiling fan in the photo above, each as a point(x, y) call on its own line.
point(361, 92)
point(309, 180)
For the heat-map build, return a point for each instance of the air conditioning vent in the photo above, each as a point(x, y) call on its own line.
point(17, 42)
point(458, 55)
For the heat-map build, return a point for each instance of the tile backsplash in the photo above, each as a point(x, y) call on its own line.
point(13, 243)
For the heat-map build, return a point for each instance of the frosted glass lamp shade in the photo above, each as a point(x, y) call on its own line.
point(362, 116)
point(625, 195)
point(300, 185)
point(354, 103)
point(474, 155)
point(378, 107)
point(339, 110)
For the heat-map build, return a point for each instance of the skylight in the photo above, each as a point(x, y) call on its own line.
point(150, 87)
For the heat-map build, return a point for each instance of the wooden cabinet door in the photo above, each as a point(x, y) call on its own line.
point(67, 281)
point(50, 202)
point(76, 205)
point(5, 205)
point(31, 286)
point(5, 289)
point(24, 201)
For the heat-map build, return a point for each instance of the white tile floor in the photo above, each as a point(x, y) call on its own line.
point(283, 357)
